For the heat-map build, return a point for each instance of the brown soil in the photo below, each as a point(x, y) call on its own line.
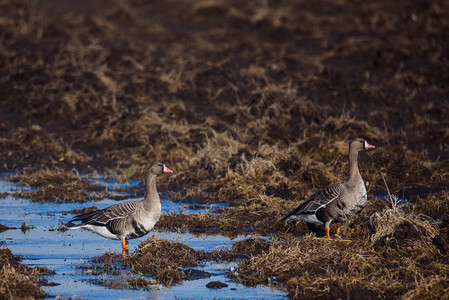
point(249, 102)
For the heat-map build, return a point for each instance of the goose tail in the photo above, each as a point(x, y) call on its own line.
point(84, 219)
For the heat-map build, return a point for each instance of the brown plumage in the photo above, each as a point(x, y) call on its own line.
point(336, 202)
point(130, 219)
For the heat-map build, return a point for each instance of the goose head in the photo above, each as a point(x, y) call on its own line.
point(359, 144)
point(157, 168)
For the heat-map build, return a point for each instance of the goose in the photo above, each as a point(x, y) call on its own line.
point(336, 202)
point(126, 220)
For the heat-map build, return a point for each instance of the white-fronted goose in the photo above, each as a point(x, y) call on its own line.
point(130, 219)
point(336, 202)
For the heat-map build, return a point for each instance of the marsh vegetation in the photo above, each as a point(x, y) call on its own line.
point(251, 103)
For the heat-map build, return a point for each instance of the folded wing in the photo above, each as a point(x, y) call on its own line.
point(105, 216)
point(320, 199)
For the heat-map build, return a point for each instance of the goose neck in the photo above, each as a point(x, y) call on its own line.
point(151, 194)
point(354, 173)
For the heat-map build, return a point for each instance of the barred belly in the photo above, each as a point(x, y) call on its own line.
point(138, 231)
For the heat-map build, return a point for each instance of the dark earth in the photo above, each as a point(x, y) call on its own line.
point(252, 103)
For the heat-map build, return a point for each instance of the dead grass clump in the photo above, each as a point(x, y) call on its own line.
point(199, 223)
point(243, 115)
point(34, 143)
point(107, 264)
point(251, 246)
point(109, 258)
point(260, 217)
point(346, 128)
point(173, 81)
point(150, 134)
point(6, 257)
point(163, 259)
point(441, 240)
point(14, 285)
point(17, 280)
point(359, 228)
point(308, 266)
point(57, 186)
point(204, 9)
point(43, 177)
point(309, 257)
point(325, 160)
point(196, 274)
point(240, 250)
point(405, 234)
point(249, 179)
point(435, 205)
point(409, 174)
point(4, 228)
point(432, 287)
point(214, 157)
point(62, 193)
point(195, 223)
point(398, 256)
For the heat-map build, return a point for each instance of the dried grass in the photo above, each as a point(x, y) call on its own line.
point(57, 185)
point(17, 280)
point(313, 267)
point(250, 104)
point(163, 259)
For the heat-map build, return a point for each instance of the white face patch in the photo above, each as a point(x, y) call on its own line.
point(167, 170)
point(368, 146)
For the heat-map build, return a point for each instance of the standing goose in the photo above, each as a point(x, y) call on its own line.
point(336, 202)
point(130, 219)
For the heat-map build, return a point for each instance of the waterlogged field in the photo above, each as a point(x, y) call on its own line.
point(46, 243)
point(252, 104)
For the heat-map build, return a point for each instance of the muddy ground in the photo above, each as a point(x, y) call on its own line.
point(251, 103)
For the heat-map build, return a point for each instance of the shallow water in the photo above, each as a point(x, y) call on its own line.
point(64, 252)
point(393, 199)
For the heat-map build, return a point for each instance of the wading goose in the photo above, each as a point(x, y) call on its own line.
point(336, 202)
point(130, 219)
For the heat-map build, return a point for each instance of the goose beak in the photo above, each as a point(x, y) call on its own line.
point(368, 146)
point(167, 170)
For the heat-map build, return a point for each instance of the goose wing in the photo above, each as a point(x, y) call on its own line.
point(318, 200)
point(104, 216)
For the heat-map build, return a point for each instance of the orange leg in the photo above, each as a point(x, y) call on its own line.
point(327, 228)
point(338, 229)
point(125, 247)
